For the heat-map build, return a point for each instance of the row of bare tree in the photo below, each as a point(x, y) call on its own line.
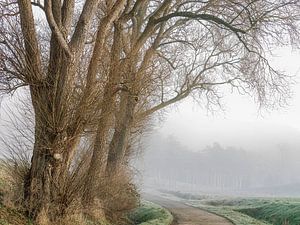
point(215, 169)
point(96, 71)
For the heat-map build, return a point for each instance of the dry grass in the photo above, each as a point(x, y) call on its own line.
point(12, 183)
point(119, 196)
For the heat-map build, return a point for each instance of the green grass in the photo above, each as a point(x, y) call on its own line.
point(276, 211)
point(229, 212)
point(151, 214)
point(251, 211)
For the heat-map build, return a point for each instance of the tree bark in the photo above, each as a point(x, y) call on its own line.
point(45, 186)
point(99, 156)
point(124, 119)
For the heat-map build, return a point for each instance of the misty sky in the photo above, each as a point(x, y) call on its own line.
point(241, 123)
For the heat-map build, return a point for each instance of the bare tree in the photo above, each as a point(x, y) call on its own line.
point(99, 68)
point(194, 52)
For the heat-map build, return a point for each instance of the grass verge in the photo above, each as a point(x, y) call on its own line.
point(276, 211)
point(236, 217)
point(151, 214)
point(249, 211)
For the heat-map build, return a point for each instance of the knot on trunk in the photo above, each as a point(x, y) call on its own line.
point(57, 156)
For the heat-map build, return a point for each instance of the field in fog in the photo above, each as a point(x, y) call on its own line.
point(219, 169)
point(246, 210)
point(246, 185)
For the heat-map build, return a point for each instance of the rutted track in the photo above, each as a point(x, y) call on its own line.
point(187, 215)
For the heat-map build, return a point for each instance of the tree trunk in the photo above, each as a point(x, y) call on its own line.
point(45, 184)
point(124, 119)
point(99, 157)
point(45, 187)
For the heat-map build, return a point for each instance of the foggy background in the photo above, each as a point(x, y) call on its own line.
point(239, 150)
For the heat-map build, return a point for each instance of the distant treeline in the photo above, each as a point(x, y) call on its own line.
point(218, 168)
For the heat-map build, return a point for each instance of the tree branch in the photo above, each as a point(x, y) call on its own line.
point(31, 43)
point(80, 33)
point(38, 4)
point(206, 17)
point(55, 29)
point(164, 104)
point(67, 14)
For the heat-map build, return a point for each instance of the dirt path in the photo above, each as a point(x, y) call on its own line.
point(187, 215)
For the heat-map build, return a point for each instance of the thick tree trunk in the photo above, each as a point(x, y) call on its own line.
point(100, 150)
point(124, 119)
point(46, 188)
point(98, 162)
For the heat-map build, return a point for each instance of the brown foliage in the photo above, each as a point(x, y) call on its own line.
point(119, 196)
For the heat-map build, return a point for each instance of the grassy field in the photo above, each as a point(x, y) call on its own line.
point(151, 214)
point(249, 211)
point(229, 212)
point(275, 211)
point(258, 211)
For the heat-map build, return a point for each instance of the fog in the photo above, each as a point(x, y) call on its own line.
point(272, 170)
point(239, 149)
point(196, 131)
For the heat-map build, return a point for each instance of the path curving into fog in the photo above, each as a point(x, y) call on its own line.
point(188, 215)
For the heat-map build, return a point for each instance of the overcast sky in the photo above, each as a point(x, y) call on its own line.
point(241, 119)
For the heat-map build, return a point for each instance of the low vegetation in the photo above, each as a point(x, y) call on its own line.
point(12, 217)
point(276, 211)
point(147, 214)
point(229, 212)
point(151, 214)
point(248, 211)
